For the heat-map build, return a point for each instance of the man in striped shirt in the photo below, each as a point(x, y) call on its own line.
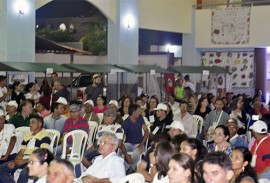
point(75, 122)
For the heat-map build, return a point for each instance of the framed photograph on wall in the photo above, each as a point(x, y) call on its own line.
point(23, 77)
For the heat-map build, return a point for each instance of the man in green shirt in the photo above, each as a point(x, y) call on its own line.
point(22, 118)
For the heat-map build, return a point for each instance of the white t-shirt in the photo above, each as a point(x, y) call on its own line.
point(5, 136)
point(162, 180)
point(29, 96)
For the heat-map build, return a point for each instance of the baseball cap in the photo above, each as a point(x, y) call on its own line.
point(74, 108)
point(62, 100)
point(176, 125)
point(96, 75)
point(114, 102)
point(259, 127)
point(89, 102)
point(13, 103)
point(2, 113)
point(161, 106)
point(110, 112)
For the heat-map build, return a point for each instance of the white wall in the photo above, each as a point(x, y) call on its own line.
point(259, 29)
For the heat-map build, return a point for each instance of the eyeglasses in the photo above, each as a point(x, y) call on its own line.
point(31, 162)
point(104, 143)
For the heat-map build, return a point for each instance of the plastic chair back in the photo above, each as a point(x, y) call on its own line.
point(55, 136)
point(20, 132)
point(79, 140)
point(133, 178)
point(92, 132)
point(197, 124)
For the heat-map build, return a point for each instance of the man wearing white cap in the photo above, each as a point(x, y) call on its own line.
point(260, 150)
point(64, 102)
point(11, 109)
point(162, 120)
point(89, 114)
point(113, 104)
point(176, 128)
point(8, 148)
point(93, 91)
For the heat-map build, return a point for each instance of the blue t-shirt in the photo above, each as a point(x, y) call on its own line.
point(133, 130)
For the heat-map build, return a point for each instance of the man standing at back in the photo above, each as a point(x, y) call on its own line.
point(93, 91)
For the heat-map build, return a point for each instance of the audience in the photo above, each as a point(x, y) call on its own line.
point(129, 138)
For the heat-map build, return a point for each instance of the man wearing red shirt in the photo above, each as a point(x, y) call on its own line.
point(260, 149)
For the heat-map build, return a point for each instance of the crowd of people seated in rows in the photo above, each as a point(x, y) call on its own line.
point(153, 138)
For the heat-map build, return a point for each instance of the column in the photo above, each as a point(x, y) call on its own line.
point(123, 48)
point(261, 69)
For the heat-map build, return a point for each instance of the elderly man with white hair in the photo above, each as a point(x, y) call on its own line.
point(107, 167)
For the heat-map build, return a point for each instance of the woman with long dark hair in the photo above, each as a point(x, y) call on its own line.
point(237, 112)
point(202, 108)
point(194, 148)
point(181, 169)
point(160, 162)
point(243, 172)
point(17, 94)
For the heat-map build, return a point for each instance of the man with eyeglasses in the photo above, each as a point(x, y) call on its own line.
point(108, 126)
point(107, 167)
point(36, 138)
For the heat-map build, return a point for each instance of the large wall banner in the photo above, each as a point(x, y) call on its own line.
point(230, 25)
point(240, 64)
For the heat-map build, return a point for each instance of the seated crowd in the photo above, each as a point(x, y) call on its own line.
point(158, 140)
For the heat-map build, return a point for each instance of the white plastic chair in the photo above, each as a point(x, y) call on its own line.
point(55, 136)
point(92, 132)
point(100, 116)
point(79, 140)
point(197, 125)
point(20, 132)
point(133, 178)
